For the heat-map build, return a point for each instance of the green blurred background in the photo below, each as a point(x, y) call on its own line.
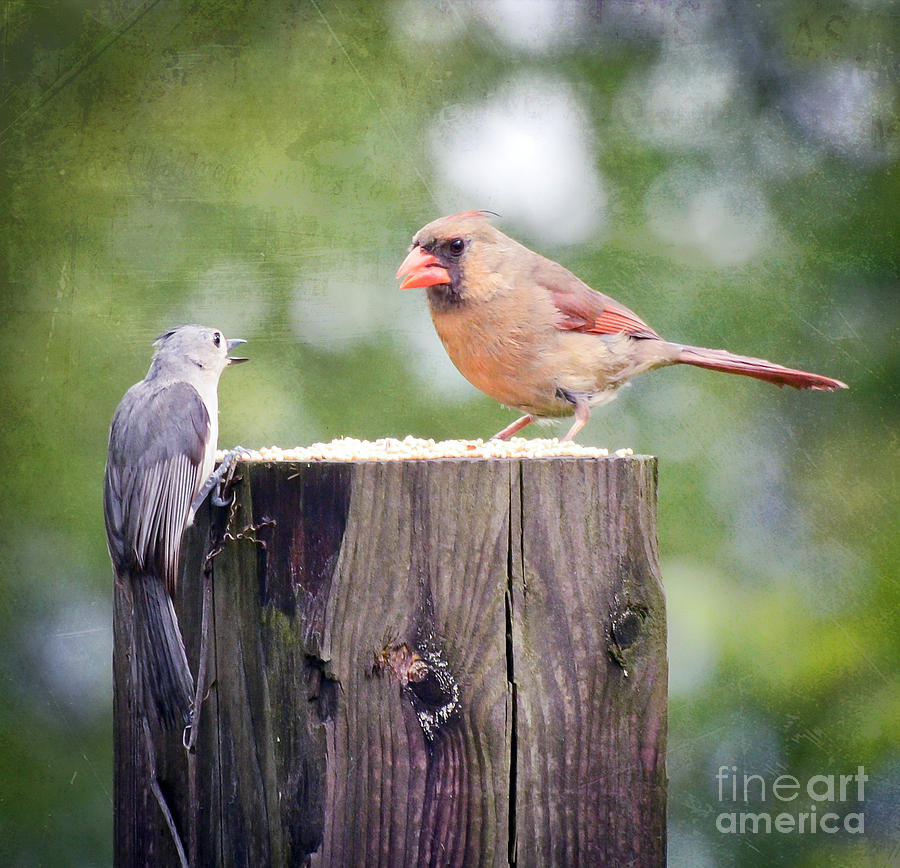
point(728, 170)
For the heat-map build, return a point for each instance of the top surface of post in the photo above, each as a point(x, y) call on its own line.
point(349, 449)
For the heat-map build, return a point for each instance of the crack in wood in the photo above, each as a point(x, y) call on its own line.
point(513, 538)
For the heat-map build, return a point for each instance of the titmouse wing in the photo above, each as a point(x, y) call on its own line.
point(158, 442)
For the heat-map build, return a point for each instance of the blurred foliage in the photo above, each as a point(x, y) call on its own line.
point(262, 166)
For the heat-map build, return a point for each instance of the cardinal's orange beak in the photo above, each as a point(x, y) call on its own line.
point(422, 269)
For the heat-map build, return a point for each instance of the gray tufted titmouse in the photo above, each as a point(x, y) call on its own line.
point(162, 446)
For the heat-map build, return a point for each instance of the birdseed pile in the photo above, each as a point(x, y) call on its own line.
point(413, 448)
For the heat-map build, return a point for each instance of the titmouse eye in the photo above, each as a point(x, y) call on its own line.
point(456, 246)
point(217, 338)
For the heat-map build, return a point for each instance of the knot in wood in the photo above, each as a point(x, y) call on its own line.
point(624, 630)
point(426, 680)
point(401, 661)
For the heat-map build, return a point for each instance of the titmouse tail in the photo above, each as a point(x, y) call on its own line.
point(722, 360)
point(163, 676)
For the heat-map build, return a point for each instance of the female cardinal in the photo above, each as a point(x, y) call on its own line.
point(530, 334)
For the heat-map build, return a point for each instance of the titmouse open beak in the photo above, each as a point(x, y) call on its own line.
point(236, 342)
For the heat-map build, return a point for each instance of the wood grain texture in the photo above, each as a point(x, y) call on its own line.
point(419, 663)
point(589, 634)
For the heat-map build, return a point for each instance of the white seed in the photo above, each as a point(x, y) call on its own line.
point(413, 448)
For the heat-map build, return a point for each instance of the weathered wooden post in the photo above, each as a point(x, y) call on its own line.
point(434, 662)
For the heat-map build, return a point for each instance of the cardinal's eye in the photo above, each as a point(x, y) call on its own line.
point(456, 246)
point(217, 338)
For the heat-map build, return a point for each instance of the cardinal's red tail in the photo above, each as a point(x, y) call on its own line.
point(722, 360)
